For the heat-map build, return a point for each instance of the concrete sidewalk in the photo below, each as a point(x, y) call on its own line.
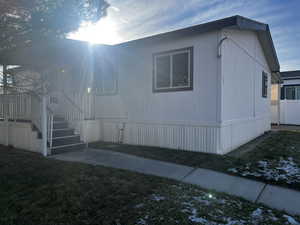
point(272, 196)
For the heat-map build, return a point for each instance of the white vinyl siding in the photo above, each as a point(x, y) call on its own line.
point(105, 78)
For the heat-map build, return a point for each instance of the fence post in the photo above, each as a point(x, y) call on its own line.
point(44, 125)
point(278, 103)
point(6, 103)
point(44, 118)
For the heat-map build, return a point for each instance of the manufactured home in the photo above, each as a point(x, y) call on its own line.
point(205, 88)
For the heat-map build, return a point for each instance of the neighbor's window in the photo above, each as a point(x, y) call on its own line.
point(105, 78)
point(292, 92)
point(173, 70)
point(264, 85)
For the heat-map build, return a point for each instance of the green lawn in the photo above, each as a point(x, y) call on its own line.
point(275, 160)
point(35, 190)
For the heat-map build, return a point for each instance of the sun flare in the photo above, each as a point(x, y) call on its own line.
point(102, 32)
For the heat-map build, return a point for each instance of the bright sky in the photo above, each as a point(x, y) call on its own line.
point(133, 19)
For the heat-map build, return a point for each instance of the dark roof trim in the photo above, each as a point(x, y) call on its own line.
point(290, 75)
point(59, 51)
point(202, 28)
point(234, 22)
point(44, 52)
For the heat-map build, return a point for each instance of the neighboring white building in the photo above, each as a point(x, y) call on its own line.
point(290, 99)
point(205, 88)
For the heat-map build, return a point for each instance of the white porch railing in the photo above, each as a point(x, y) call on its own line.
point(26, 106)
point(64, 106)
point(36, 117)
point(85, 102)
point(15, 106)
point(36, 112)
point(50, 118)
point(72, 111)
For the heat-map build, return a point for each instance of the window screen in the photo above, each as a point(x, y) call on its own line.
point(264, 85)
point(291, 92)
point(173, 70)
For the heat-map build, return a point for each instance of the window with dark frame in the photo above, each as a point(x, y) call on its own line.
point(264, 85)
point(291, 92)
point(173, 70)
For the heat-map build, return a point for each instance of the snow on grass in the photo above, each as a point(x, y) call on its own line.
point(277, 170)
point(143, 221)
point(157, 198)
point(141, 205)
point(195, 218)
point(291, 220)
point(186, 204)
point(257, 213)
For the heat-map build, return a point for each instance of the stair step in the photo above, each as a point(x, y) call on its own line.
point(68, 148)
point(60, 125)
point(63, 132)
point(67, 140)
point(59, 119)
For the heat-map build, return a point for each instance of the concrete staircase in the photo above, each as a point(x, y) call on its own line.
point(64, 138)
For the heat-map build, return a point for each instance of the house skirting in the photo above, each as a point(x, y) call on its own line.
point(190, 136)
point(19, 135)
point(238, 132)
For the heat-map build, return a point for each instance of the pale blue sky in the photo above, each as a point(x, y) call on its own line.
point(132, 19)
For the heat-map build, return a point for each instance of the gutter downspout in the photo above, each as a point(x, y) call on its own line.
point(220, 46)
point(44, 121)
point(6, 104)
point(219, 116)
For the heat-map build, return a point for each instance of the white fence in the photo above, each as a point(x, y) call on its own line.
point(26, 106)
point(15, 106)
point(290, 112)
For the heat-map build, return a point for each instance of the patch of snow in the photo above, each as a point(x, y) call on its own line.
point(262, 164)
point(222, 201)
point(143, 221)
point(291, 220)
point(283, 169)
point(188, 204)
point(257, 213)
point(233, 170)
point(271, 215)
point(141, 205)
point(203, 201)
point(157, 198)
point(231, 221)
point(196, 219)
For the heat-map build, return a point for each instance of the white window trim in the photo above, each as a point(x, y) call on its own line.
point(171, 53)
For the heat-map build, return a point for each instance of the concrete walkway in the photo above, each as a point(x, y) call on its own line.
point(270, 195)
point(286, 128)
